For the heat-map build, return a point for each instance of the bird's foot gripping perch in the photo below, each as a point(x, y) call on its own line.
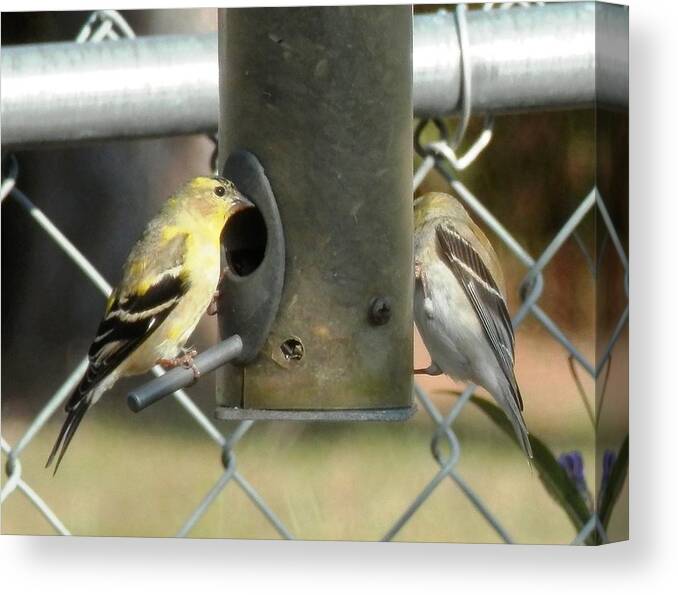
point(432, 370)
point(180, 377)
point(185, 360)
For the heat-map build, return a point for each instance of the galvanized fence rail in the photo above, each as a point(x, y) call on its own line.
point(441, 155)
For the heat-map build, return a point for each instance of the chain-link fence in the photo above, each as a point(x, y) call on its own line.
point(441, 155)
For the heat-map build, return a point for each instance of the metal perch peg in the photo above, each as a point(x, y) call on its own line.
point(180, 377)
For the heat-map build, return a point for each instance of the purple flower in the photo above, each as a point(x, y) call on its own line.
point(573, 464)
point(609, 459)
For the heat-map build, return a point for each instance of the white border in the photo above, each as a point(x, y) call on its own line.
point(646, 564)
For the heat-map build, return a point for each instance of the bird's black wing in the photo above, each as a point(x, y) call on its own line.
point(485, 298)
point(130, 320)
point(131, 317)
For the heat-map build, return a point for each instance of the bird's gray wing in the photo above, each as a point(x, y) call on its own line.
point(485, 298)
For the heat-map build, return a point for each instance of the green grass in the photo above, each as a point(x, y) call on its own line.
point(143, 475)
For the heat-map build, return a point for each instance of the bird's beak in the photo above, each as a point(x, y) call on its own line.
point(240, 203)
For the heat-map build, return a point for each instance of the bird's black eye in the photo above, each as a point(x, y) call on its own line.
point(219, 190)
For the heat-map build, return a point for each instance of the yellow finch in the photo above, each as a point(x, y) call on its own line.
point(460, 305)
point(168, 281)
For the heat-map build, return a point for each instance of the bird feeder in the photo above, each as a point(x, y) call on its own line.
point(316, 129)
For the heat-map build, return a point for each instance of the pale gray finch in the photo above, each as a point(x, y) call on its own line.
point(168, 281)
point(460, 305)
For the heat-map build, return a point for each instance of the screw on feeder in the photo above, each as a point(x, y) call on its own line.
point(381, 309)
point(292, 349)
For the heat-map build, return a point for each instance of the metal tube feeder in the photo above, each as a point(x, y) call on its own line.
point(316, 105)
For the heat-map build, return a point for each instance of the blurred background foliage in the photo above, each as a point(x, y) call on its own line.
point(142, 474)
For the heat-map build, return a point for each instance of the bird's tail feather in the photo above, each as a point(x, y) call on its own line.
point(518, 423)
point(71, 424)
point(523, 436)
point(516, 418)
